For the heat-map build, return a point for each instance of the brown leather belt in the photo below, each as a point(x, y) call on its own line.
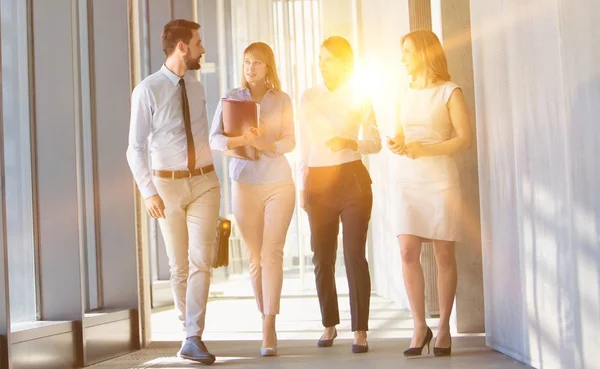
point(178, 174)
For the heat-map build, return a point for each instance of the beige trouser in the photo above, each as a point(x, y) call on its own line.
point(189, 231)
point(263, 213)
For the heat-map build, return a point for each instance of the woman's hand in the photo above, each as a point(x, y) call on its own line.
point(396, 145)
point(257, 138)
point(415, 150)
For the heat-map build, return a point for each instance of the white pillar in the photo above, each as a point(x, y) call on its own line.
point(452, 23)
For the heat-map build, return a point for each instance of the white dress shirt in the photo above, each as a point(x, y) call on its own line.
point(325, 114)
point(277, 118)
point(157, 125)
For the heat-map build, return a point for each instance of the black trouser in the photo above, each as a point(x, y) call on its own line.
point(341, 191)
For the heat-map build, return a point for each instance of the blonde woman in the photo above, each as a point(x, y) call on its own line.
point(434, 125)
point(262, 190)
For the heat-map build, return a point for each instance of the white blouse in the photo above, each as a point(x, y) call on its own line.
point(326, 114)
point(277, 117)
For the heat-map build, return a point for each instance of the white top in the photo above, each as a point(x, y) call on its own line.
point(277, 117)
point(425, 118)
point(326, 114)
point(157, 125)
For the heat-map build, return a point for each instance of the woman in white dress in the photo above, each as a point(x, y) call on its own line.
point(433, 125)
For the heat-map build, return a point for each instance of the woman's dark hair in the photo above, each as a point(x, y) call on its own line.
point(340, 48)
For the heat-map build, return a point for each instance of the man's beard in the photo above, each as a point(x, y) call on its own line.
point(191, 64)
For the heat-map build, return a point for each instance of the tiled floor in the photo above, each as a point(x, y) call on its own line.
point(233, 334)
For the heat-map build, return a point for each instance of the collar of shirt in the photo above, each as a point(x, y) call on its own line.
point(174, 78)
point(246, 93)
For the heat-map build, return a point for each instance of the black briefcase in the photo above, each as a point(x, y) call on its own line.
point(221, 249)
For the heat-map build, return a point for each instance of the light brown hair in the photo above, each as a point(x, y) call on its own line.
point(264, 53)
point(175, 31)
point(430, 53)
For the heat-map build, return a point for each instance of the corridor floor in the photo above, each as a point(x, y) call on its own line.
point(233, 335)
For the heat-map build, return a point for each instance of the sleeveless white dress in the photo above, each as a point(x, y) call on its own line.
point(428, 188)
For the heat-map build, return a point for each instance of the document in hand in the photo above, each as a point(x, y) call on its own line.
point(237, 116)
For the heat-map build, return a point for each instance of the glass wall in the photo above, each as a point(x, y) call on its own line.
point(68, 211)
point(18, 163)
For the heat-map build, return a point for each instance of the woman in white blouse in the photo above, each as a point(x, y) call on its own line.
point(336, 185)
point(262, 190)
point(434, 125)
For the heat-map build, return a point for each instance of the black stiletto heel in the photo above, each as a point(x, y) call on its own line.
point(417, 351)
point(441, 351)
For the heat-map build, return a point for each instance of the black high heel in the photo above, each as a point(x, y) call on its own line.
point(441, 351)
point(327, 343)
point(360, 349)
point(417, 351)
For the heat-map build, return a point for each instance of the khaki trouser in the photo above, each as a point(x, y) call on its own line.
point(189, 231)
point(263, 213)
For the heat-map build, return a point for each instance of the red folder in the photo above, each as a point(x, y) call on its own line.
point(237, 116)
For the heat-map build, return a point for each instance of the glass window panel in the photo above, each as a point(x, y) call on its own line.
point(17, 158)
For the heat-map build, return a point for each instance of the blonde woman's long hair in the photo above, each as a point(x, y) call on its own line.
point(430, 53)
point(264, 53)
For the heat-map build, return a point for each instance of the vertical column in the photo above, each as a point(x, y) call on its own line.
point(455, 27)
point(223, 14)
point(17, 161)
point(150, 247)
point(57, 208)
point(84, 195)
point(110, 90)
point(4, 303)
point(139, 68)
point(157, 15)
point(419, 14)
point(84, 141)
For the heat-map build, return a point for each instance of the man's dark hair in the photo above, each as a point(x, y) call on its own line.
point(175, 31)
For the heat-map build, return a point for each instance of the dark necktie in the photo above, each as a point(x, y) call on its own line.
point(185, 107)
